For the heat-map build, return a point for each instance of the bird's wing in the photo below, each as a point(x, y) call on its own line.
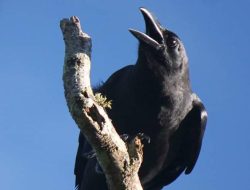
point(81, 161)
point(186, 144)
point(195, 124)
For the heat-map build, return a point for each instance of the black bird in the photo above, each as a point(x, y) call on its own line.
point(152, 97)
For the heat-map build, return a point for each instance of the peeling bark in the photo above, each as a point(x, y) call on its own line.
point(119, 161)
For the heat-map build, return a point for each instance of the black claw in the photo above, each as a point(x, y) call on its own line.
point(124, 137)
point(144, 137)
point(98, 169)
point(90, 154)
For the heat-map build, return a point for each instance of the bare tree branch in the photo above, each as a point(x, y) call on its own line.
point(120, 162)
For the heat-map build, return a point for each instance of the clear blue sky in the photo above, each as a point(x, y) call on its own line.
point(38, 138)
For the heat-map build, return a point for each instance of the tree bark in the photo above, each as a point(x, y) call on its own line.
point(119, 161)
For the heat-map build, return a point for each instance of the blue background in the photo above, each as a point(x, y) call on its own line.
point(38, 138)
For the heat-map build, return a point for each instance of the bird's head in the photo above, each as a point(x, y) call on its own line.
point(161, 50)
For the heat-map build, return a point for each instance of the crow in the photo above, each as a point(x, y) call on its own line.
point(152, 97)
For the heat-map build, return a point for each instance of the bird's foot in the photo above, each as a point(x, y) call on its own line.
point(90, 154)
point(144, 138)
point(98, 168)
point(124, 137)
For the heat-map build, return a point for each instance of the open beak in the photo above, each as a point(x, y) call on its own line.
point(153, 36)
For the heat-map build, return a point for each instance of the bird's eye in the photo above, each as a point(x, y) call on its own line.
point(172, 42)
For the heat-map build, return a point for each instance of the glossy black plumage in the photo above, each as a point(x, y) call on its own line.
point(153, 97)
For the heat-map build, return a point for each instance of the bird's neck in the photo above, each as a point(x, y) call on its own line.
point(165, 89)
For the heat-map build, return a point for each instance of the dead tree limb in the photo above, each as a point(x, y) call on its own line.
point(119, 161)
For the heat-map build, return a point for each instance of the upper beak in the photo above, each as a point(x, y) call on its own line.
point(153, 35)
